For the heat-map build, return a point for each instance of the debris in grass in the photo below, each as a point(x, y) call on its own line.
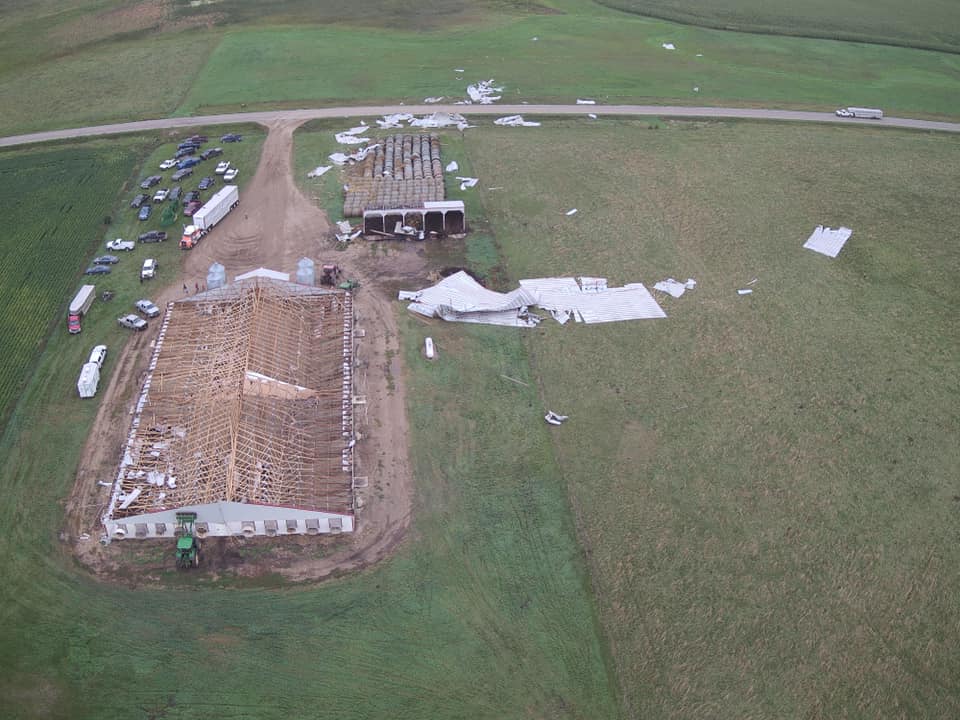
point(581, 101)
point(514, 380)
point(592, 116)
point(555, 419)
point(453, 166)
point(675, 288)
point(459, 70)
point(515, 121)
point(668, 46)
point(396, 120)
point(483, 92)
point(429, 349)
point(467, 182)
point(752, 281)
point(432, 100)
point(699, 54)
point(696, 88)
point(341, 159)
point(828, 242)
point(441, 119)
point(745, 291)
point(319, 170)
point(460, 298)
point(534, 38)
point(572, 212)
point(349, 137)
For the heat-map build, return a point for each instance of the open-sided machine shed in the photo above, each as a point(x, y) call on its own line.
point(245, 417)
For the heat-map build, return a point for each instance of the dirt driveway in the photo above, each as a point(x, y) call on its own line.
point(274, 226)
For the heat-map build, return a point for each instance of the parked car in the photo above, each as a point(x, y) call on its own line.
point(230, 174)
point(153, 236)
point(73, 324)
point(232, 137)
point(144, 213)
point(188, 162)
point(207, 182)
point(222, 167)
point(149, 269)
point(191, 207)
point(134, 322)
point(167, 164)
point(147, 308)
point(191, 196)
point(106, 260)
point(186, 144)
point(198, 139)
point(211, 152)
point(138, 200)
point(181, 174)
point(120, 244)
point(160, 195)
point(175, 193)
point(97, 270)
point(151, 181)
point(184, 151)
point(98, 355)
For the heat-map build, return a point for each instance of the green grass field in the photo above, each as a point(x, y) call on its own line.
point(485, 611)
point(53, 203)
point(117, 70)
point(609, 56)
point(766, 485)
point(934, 24)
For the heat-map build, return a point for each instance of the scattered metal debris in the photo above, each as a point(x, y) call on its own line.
point(827, 241)
point(592, 116)
point(431, 100)
point(581, 101)
point(554, 419)
point(514, 380)
point(461, 298)
point(319, 170)
point(745, 291)
point(574, 211)
point(675, 288)
point(452, 166)
point(467, 182)
point(515, 121)
point(668, 46)
point(483, 92)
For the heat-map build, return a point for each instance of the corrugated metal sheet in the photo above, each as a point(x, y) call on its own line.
point(460, 298)
point(828, 242)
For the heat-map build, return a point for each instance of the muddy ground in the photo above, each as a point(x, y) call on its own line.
point(274, 226)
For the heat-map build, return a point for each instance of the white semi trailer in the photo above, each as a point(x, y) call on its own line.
point(212, 212)
point(858, 112)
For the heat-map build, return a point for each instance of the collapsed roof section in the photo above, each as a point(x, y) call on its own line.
point(460, 298)
point(247, 403)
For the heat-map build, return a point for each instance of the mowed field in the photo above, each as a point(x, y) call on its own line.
point(595, 53)
point(934, 24)
point(104, 63)
point(765, 485)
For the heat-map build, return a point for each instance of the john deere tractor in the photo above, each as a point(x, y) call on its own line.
point(188, 547)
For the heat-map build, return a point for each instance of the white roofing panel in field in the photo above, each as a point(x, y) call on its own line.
point(540, 285)
point(631, 302)
point(462, 293)
point(827, 241)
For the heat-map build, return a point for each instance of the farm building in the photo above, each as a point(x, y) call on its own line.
point(245, 416)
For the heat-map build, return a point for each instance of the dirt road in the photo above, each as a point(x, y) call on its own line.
point(274, 227)
point(269, 117)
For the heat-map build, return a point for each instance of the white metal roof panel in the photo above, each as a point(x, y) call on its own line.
point(828, 242)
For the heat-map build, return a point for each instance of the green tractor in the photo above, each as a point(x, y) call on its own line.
point(349, 285)
point(188, 547)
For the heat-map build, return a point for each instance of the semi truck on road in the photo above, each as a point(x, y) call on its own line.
point(212, 212)
point(857, 112)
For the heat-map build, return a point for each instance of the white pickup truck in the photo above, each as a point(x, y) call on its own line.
point(121, 244)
